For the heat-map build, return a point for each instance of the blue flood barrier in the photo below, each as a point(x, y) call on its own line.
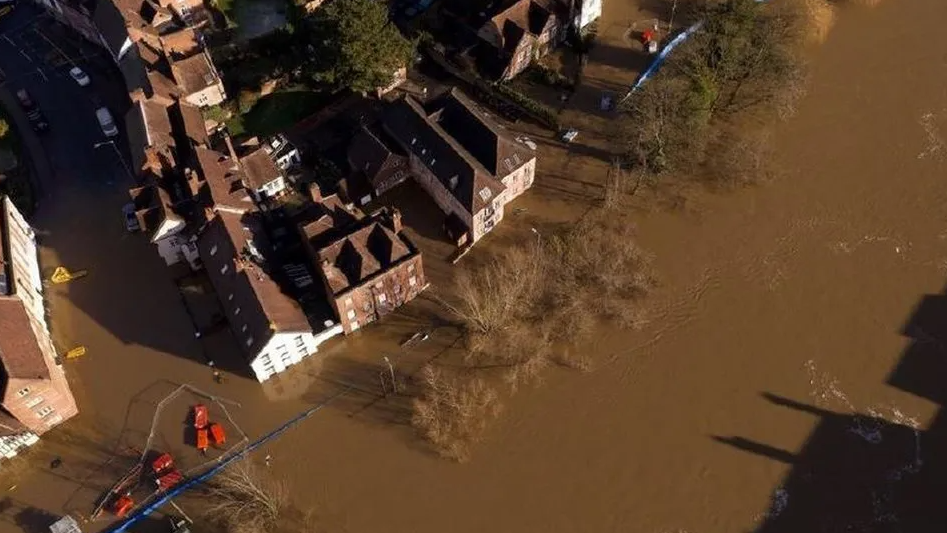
point(143, 512)
point(664, 53)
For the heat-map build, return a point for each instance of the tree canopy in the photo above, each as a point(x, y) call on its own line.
point(356, 47)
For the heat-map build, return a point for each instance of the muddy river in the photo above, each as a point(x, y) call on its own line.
point(784, 311)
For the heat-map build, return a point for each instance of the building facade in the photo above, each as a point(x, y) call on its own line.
point(371, 270)
point(468, 164)
point(35, 393)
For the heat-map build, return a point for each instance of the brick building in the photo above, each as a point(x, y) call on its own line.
point(34, 393)
point(368, 267)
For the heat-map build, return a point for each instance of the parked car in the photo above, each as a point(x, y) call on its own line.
point(106, 122)
point(80, 76)
point(33, 113)
point(569, 135)
point(131, 220)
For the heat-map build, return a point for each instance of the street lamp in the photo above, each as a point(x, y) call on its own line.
point(391, 369)
point(120, 157)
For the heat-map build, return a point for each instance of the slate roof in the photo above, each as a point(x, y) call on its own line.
point(259, 169)
point(465, 149)
point(362, 253)
point(223, 177)
point(20, 353)
point(193, 73)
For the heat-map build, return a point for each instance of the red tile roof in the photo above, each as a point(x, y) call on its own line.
point(20, 353)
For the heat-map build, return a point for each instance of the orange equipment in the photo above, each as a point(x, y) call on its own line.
point(647, 36)
point(200, 416)
point(202, 440)
point(217, 433)
point(122, 506)
point(162, 463)
point(169, 480)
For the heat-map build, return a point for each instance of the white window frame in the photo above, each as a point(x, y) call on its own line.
point(23, 392)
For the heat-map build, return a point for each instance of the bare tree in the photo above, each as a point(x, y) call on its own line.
point(245, 499)
point(491, 297)
point(453, 411)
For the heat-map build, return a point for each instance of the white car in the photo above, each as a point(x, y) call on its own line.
point(80, 76)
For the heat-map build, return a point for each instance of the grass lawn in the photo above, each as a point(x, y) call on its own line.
point(277, 112)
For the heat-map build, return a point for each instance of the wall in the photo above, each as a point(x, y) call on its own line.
point(46, 404)
point(282, 351)
point(438, 192)
point(25, 264)
point(380, 294)
point(209, 96)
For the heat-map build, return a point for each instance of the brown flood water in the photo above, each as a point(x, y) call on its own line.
point(794, 291)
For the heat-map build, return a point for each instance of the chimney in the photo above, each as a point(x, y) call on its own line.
point(315, 192)
point(230, 150)
point(396, 221)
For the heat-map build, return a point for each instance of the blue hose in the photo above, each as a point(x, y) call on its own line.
point(143, 512)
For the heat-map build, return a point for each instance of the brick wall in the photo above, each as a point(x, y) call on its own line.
point(380, 294)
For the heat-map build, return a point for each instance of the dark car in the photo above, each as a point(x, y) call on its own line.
point(33, 112)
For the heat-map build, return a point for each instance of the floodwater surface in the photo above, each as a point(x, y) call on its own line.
point(788, 380)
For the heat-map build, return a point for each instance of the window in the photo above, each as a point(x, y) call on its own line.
point(23, 392)
point(382, 298)
point(282, 349)
point(286, 359)
point(412, 281)
point(300, 342)
point(485, 193)
point(249, 341)
point(230, 298)
point(244, 328)
point(224, 269)
point(351, 314)
point(213, 250)
point(354, 325)
point(236, 311)
point(45, 411)
point(34, 401)
point(266, 360)
point(379, 285)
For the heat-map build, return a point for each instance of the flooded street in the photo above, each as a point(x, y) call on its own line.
point(783, 310)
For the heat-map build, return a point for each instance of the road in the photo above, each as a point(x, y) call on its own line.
point(36, 54)
point(127, 311)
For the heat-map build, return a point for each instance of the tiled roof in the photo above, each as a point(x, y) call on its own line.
point(472, 184)
point(193, 73)
point(150, 136)
point(372, 151)
point(224, 178)
point(184, 42)
point(193, 121)
point(20, 353)
point(260, 169)
point(486, 140)
point(243, 231)
point(365, 251)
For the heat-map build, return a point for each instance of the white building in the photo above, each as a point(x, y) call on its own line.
point(587, 12)
point(270, 326)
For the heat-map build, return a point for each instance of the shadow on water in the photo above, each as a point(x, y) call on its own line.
point(866, 473)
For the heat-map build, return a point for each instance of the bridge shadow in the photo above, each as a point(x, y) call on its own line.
point(859, 472)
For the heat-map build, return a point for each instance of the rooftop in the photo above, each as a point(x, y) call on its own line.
point(194, 73)
point(369, 248)
point(20, 354)
point(246, 233)
point(223, 177)
point(260, 169)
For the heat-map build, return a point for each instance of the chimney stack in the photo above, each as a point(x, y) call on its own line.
point(315, 192)
point(396, 221)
